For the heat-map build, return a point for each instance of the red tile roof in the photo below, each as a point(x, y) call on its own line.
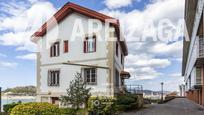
point(69, 8)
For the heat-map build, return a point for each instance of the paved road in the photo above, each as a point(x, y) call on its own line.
point(178, 106)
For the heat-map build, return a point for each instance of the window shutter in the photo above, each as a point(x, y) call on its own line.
point(54, 50)
point(84, 74)
point(51, 50)
point(66, 46)
point(95, 44)
point(85, 46)
point(116, 49)
point(48, 78)
point(58, 49)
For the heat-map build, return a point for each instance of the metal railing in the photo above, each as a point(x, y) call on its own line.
point(201, 47)
point(198, 76)
point(135, 89)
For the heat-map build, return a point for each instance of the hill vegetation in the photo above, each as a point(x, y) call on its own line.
point(22, 90)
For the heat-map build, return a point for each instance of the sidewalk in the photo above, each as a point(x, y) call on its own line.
point(178, 106)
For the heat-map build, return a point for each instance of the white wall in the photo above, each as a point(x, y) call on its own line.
point(75, 54)
point(67, 73)
point(75, 47)
point(117, 61)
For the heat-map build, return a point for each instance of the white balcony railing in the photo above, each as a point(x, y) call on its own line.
point(198, 78)
point(201, 48)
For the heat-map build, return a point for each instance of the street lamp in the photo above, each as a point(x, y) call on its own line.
point(162, 84)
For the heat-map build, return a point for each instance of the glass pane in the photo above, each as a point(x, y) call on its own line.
point(93, 79)
point(93, 71)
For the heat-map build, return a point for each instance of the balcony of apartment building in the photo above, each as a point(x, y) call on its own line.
point(194, 81)
point(200, 51)
point(200, 46)
point(198, 82)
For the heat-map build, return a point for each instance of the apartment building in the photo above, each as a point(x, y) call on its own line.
point(100, 62)
point(193, 51)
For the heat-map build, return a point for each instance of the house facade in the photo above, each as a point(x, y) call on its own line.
point(100, 62)
point(193, 51)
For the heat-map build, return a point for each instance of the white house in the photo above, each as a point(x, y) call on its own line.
point(101, 62)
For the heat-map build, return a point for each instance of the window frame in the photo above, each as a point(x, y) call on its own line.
point(55, 49)
point(53, 81)
point(87, 44)
point(90, 82)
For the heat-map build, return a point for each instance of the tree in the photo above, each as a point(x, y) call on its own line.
point(77, 93)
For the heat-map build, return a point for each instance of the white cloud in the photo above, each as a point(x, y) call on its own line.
point(143, 73)
point(145, 61)
point(135, 21)
point(149, 54)
point(170, 50)
point(8, 64)
point(173, 84)
point(31, 56)
point(21, 26)
point(159, 63)
point(117, 3)
point(175, 75)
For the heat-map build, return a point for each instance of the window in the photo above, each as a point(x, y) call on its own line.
point(66, 46)
point(198, 76)
point(117, 78)
point(121, 59)
point(201, 47)
point(90, 75)
point(116, 49)
point(55, 50)
point(90, 44)
point(53, 77)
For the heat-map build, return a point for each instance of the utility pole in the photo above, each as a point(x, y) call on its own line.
point(0, 99)
point(162, 84)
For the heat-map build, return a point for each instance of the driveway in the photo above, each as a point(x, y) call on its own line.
point(178, 106)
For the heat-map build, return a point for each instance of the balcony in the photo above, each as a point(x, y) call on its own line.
point(200, 52)
point(198, 79)
point(201, 48)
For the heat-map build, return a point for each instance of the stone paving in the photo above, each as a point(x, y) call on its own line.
point(178, 106)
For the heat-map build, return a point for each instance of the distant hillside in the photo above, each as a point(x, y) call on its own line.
point(27, 90)
point(149, 92)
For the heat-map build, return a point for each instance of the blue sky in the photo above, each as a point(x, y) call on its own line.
point(148, 62)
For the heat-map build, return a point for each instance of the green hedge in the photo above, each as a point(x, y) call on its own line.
point(35, 108)
point(8, 107)
point(129, 102)
point(101, 105)
point(68, 111)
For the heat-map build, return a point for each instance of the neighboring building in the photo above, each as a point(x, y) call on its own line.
point(182, 90)
point(101, 63)
point(193, 51)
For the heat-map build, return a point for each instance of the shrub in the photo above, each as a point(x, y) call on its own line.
point(8, 107)
point(71, 111)
point(35, 108)
point(122, 107)
point(129, 102)
point(67, 111)
point(125, 100)
point(101, 105)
